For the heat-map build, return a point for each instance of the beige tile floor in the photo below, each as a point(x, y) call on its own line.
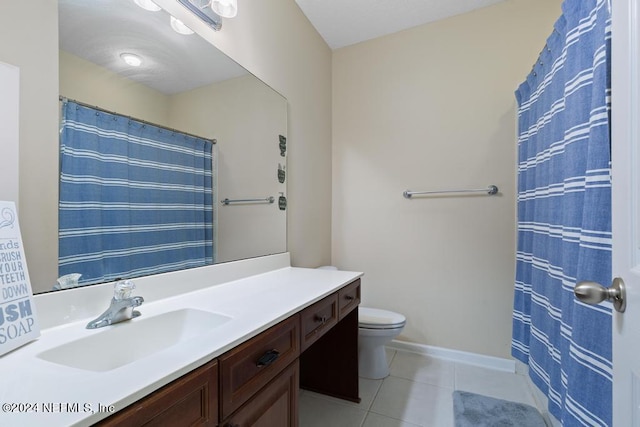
point(417, 393)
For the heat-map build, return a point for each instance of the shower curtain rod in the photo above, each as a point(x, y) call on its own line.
point(491, 190)
point(84, 104)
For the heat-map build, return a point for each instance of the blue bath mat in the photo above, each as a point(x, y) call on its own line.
point(476, 410)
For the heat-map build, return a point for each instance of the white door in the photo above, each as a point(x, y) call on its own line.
point(626, 215)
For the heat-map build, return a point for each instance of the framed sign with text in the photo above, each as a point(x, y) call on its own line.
point(18, 321)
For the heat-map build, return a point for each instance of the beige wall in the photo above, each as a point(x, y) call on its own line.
point(276, 42)
point(9, 131)
point(433, 108)
point(87, 82)
point(29, 40)
point(246, 117)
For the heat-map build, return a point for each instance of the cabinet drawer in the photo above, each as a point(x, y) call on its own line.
point(317, 319)
point(248, 367)
point(348, 298)
point(188, 401)
point(274, 405)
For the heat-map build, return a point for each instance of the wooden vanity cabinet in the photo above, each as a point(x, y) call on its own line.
point(257, 383)
point(191, 400)
point(330, 365)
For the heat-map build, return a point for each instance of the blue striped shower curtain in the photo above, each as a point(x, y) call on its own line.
point(564, 216)
point(135, 199)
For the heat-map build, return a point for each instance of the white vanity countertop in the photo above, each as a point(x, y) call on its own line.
point(254, 303)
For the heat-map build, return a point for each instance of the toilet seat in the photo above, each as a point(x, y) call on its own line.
point(374, 318)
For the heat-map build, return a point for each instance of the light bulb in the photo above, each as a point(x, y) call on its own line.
point(225, 8)
point(147, 5)
point(179, 27)
point(131, 59)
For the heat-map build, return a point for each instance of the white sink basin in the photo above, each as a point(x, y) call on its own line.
point(129, 341)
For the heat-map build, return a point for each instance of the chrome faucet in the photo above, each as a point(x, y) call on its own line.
point(121, 307)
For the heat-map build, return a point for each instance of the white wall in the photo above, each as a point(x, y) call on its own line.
point(433, 108)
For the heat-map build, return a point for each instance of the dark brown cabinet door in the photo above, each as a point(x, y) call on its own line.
point(276, 405)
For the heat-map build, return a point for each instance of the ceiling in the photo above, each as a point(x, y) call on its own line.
point(346, 22)
point(100, 30)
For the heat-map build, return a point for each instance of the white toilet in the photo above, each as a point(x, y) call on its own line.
point(376, 328)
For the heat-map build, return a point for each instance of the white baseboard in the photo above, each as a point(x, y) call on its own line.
point(491, 362)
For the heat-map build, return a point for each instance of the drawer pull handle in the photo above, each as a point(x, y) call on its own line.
point(349, 297)
point(321, 319)
point(268, 358)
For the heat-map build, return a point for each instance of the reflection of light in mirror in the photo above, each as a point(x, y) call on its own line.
point(179, 27)
point(148, 5)
point(225, 8)
point(131, 59)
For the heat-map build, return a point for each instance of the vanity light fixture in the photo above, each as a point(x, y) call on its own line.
point(147, 5)
point(225, 8)
point(203, 9)
point(179, 27)
point(131, 59)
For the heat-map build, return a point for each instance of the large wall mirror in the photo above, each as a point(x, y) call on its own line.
point(184, 83)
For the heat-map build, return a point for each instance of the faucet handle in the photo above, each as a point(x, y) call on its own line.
point(122, 289)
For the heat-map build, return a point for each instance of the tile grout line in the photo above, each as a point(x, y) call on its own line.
point(370, 410)
point(370, 416)
point(375, 396)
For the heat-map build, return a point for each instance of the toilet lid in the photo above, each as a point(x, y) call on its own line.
point(374, 318)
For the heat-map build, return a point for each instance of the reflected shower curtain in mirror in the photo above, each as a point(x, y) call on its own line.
point(135, 199)
point(564, 216)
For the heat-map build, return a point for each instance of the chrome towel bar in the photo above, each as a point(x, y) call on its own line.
point(269, 200)
point(491, 190)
